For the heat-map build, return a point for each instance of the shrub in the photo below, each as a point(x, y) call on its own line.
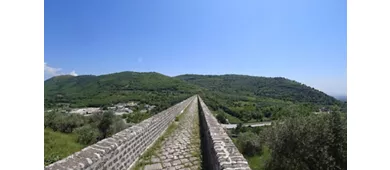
point(221, 118)
point(64, 122)
point(87, 134)
point(249, 143)
point(116, 126)
point(311, 142)
point(137, 117)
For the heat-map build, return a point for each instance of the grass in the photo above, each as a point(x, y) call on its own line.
point(59, 145)
point(232, 119)
point(195, 140)
point(258, 162)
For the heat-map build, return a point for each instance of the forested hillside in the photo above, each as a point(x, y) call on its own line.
point(264, 87)
point(239, 98)
point(232, 98)
point(251, 98)
point(96, 91)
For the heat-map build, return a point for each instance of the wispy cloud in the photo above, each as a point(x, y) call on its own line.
point(52, 71)
point(73, 73)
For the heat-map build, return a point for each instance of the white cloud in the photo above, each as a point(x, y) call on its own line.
point(51, 71)
point(73, 73)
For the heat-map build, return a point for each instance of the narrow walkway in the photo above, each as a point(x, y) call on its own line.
point(179, 147)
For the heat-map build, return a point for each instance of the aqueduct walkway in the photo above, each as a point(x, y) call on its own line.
point(185, 136)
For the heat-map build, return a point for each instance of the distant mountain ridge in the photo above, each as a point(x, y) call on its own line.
point(341, 97)
point(90, 90)
point(277, 87)
point(159, 89)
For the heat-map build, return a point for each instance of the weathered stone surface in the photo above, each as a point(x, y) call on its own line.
point(167, 164)
point(122, 149)
point(155, 160)
point(183, 141)
point(180, 150)
point(156, 166)
point(184, 160)
point(220, 149)
point(176, 162)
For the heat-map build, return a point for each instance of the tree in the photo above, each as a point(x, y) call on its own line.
point(338, 147)
point(238, 128)
point(267, 112)
point(308, 142)
point(87, 134)
point(116, 126)
point(249, 143)
point(221, 118)
point(63, 122)
point(258, 116)
point(105, 124)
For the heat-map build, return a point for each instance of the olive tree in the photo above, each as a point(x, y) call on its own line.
point(249, 143)
point(310, 142)
point(87, 134)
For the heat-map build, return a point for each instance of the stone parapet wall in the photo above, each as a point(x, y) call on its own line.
point(122, 150)
point(219, 151)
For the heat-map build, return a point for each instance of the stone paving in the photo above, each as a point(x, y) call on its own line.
point(179, 148)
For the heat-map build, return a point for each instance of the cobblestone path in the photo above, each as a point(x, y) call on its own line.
point(179, 147)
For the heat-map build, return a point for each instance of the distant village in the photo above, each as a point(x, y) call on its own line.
point(117, 109)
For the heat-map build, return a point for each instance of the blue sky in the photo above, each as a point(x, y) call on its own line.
point(304, 40)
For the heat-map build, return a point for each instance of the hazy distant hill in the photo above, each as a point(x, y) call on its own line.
point(263, 87)
point(249, 98)
point(341, 98)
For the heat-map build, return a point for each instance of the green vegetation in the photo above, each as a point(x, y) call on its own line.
point(196, 141)
point(231, 118)
point(224, 115)
point(258, 161)
point(136, 117)
point(254, 99)
point(313, 142)
point(99, 91)
point(59, 145)
point(68, 133)
point(249, 143)
point(297, 139)
point(87, 134)
point(221, 118)
point(238, 98)
point(276, 88)
point(302, 142)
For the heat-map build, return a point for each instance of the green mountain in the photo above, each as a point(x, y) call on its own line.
point(264, 87)
point(240, 96)
point(94, 91)
point(251, 98)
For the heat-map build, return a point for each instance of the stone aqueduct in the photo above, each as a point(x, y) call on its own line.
point(123, 150)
